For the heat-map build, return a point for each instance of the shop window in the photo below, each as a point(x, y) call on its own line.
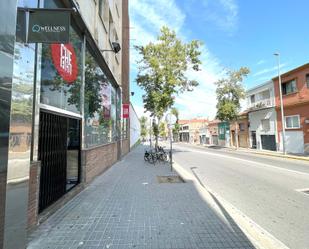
point(292, 122)
point(100, 105)
point(289, 87)
point(61, 74)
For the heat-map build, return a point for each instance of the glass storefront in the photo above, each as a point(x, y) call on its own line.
point(100, 105)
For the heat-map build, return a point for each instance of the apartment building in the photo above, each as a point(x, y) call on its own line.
point(295, 91)
point(61, 120)
point(262, 117)
point(242, 132)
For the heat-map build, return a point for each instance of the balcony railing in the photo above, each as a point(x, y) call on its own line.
point(262, 104)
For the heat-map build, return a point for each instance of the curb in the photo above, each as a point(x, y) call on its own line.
point(256, 234)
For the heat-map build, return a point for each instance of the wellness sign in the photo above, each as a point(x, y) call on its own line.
point(49, 26)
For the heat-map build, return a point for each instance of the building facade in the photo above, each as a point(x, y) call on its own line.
point(242, 131)
point(224, 134)
point(190, 130)
point(213, 132)
point(295, 91)
point(262, 117)
point(61, 121)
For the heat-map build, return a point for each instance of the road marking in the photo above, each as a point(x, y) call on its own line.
point(248, 161)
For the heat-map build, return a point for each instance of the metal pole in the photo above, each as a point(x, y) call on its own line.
point(281, 104)
point(171, 148)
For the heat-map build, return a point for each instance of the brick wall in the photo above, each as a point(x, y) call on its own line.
point(95, 161)
point(125, 147)
point(34, 188)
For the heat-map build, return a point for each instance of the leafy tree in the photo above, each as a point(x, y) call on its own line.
point(162, 130)
point(162, 71)
point(175, 112)
point(143, 121)
point(229, 93)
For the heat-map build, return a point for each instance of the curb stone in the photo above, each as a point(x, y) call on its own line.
point(256, 234)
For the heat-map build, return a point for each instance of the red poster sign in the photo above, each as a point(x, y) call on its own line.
point(64, 59)
point(125, 110)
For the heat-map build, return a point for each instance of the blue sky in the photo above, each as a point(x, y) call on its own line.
point(235, 33)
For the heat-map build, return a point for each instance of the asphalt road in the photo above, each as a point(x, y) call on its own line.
point(262, 187)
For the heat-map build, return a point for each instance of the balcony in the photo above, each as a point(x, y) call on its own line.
point(265, 103)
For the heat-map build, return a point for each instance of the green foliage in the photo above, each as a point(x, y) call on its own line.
point(162, 130)
point(229, 93)
point(143, 121)
point(162, 70)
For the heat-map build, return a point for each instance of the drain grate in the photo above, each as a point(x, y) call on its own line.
point(170, 179)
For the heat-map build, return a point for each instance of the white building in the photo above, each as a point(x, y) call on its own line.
point(135, 127)
point(262, 117)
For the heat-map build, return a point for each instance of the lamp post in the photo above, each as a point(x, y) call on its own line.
point(281, 103)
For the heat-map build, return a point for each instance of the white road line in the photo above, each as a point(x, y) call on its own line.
point(248, 161)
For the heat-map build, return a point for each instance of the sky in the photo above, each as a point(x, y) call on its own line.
point(234, 33)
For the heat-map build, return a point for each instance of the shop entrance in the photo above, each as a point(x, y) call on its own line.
point(59, 153)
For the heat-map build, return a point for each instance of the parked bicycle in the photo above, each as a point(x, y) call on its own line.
point(161, 154)
point(150, 156)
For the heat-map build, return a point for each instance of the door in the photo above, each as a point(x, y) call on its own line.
point(268, 142)
point(294, 142)
point(253, 139)
point(215, 139)
point(59, 153)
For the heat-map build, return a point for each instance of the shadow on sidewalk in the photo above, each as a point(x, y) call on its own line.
point(126, 207)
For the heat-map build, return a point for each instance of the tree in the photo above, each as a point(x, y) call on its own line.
point(143, 122)
point(162, 71)
point(162, 130)
point(229, 93)
point(175, 112)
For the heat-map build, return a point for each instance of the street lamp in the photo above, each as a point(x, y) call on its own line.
point(281, 103)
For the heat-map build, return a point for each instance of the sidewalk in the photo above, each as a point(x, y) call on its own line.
point(126, 207)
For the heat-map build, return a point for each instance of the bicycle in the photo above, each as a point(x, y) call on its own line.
point(150, 157)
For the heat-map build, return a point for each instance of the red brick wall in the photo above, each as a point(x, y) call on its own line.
point(34, 188)
point(95, 161)
point(303, 111)
point(302, 95)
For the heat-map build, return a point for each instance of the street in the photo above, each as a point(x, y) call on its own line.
point(262, 187)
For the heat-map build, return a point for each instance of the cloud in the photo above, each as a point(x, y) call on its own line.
point(269, 70)
point(223, 13)
point(147, 17)
point(260, 62)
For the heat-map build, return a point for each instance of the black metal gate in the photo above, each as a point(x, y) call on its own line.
point(268, 142)
point(53, 157)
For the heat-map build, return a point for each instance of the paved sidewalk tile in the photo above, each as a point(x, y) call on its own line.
point(126, 207)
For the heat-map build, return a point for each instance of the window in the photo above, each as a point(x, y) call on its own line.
point(307, 80)
point(289, 87)
point(104, 11)
point(292, 122)
point(252, 99)
point(241, 126)
point(265, 124)
point(100, 105)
